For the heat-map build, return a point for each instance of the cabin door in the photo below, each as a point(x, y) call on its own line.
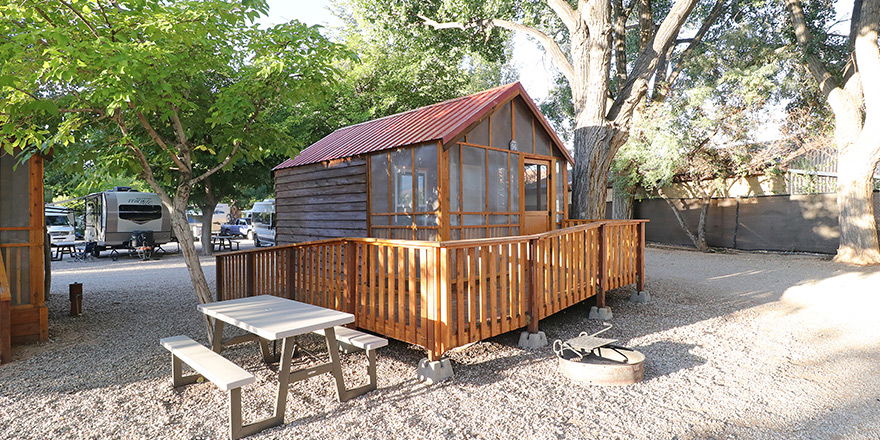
point(536, 190)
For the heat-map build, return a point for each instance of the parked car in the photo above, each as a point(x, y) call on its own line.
point(240, 227)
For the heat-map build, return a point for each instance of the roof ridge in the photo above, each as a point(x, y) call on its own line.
point(450, 100)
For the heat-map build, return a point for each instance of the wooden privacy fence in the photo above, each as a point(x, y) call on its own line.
point(442, 295)
point(5, 315)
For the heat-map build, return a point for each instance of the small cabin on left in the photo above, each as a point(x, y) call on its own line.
point(22, 251)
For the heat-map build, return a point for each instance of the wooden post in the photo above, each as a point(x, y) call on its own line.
point(603, 270)
point(441, 334)
point(5, 323)
point(430, 284)
point(291, 273)
point(350, 270)
point(531, 287)
point(640, 257)
point(218, 271)
point(251, 278)
point(76, 297)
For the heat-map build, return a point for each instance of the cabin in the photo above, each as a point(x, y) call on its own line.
point(439, 227)
point(479, 166)
point(23, 312)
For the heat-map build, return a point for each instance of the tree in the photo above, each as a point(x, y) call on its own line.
point(577, 39)
point(182, 88)
point(846, 73)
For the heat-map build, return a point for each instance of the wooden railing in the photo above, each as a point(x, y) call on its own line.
point(5, 315)
point(442, 295)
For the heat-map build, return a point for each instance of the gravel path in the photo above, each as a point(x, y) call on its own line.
point(739, 346)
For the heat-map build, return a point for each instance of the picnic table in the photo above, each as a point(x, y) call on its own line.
point(61, 248)
point(224, 242)
point(271, 318)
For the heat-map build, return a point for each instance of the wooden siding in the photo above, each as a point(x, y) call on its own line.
point(321, 201)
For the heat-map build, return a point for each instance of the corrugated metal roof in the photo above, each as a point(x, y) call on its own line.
point(442, 121)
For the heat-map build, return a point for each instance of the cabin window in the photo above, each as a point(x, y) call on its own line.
point(140, 213)
point(473, 179)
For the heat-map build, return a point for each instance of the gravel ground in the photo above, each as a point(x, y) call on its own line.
point(737, 345)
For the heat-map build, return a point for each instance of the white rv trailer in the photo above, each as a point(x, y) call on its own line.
point(111, 217)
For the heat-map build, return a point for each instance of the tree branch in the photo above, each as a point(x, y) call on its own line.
point(211, 171)
point(178, 127)
point(550, 45)
point(827, 83)
point(565, 13)
point(83, 19)
point(154, 135)
point(645, 65)
point(868, 59)
point(677, 68)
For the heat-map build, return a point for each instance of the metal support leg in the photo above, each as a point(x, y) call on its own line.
point(177, 377)
point(235, 431)
point(335, 365)
point(268, 356)
point(280, 399)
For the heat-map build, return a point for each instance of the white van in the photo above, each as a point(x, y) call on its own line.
point(263, 221)
point(59, 224)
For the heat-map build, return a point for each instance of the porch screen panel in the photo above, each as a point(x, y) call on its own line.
point(480, 134)
point(404, 193)
point(380, 198)
point(15, 213)
point(502, 127)
point(542, 141)
point(523, 120)
point(473, 179)
point(488, 193)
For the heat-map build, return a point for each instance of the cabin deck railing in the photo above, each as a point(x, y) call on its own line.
point(5, 315)
point(442, 295)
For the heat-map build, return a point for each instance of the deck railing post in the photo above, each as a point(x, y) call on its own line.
point(442, 328)
point(219, 275)
point(603, 270)
point(291, 273)
point(531, 286)
point(250, 267)
point(350, 277)
point(640, 257)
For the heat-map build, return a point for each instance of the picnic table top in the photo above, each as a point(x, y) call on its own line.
point(271, 317)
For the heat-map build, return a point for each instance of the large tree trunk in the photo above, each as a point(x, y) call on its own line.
point(593, 152)
point(622, 203)
point(855, 188)
point(207, 226)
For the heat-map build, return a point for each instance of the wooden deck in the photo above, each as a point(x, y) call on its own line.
point(442, 295)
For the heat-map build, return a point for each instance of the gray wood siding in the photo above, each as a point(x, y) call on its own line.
point(316, 202)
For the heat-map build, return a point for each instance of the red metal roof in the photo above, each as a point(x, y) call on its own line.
point(442, 121)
